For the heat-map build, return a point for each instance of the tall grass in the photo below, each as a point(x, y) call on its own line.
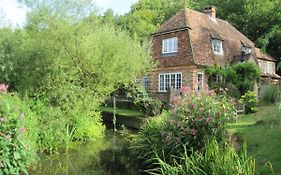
point(270, 93)
point(213, 160)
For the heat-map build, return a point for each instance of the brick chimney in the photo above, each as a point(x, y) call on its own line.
point(210, 11)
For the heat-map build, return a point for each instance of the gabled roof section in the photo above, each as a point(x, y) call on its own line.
point(178, 21)
point(203, 29)
point(263, 56)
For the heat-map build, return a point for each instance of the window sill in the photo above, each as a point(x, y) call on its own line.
point(169, 54)
point(219, 54)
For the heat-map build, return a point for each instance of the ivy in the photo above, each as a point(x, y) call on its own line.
point(241, 76)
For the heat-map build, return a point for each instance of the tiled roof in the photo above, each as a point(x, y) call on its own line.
point(271, 75)
point(202, 29)
point(263, 56)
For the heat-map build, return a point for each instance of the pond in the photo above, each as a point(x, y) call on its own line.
point(108, 156)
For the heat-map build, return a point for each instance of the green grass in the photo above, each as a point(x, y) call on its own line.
point(124, 112)
point(262, 132)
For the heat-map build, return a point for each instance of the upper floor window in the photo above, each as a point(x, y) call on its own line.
point(170, 79)
point(263, 66)
point(246, 50)
point(170, 45)
point(217, 46)
point(267, 67)
point(271, 68)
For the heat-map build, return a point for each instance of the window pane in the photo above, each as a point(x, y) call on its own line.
point(146, 83)
point(161, 83)
point(167, 81)
point(217, 46)
point(170, 45)
point(178, 82)
point(173, 80)
point(200, 81)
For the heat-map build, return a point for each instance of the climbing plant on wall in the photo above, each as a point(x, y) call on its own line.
point(239, 77)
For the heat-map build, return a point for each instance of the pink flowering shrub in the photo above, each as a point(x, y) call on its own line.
point(194, 119)
point(17, 136)
point(3, 87)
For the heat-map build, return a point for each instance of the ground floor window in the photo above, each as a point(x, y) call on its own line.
point(146, 83)
point(200, 79)
point(169, 79)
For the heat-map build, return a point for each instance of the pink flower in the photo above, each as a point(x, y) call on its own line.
point(185, 90)
point(176, 100)
point(193, 131)
point(22, 129)
point(3, 87)
point(209, 119)
point(193, 106)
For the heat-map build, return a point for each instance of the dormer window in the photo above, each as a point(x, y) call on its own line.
point(246, 50)
point(217, 46)
point(170, 45)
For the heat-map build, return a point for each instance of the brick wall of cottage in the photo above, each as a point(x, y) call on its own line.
point(184, 55)
point(188, 76)
point(182, 62)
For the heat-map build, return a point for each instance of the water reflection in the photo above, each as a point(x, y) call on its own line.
point(109, 156)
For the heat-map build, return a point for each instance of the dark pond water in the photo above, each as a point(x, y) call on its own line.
point(109, 156)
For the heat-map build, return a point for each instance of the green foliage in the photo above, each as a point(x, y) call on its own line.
point(18, 135)
point(270, 93)
point(250, 100)
point(9, 44)
point(211, 160)
point(147, 15)
point(149, 138)
point(67, 62)
point(146, 104)
point(246, 75)
point(195, 119)
point(260, 130)
point(239, 77)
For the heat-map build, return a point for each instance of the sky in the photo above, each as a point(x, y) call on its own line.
point(16, 14)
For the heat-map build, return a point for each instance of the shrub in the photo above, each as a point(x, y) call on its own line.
point(196, 117)
point(211, 160)
point(149, 138)
point(270, 93)
point(147, 105)
point(17, 135)
point(66, 117)
point(250, 100)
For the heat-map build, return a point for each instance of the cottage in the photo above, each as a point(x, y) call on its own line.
point(189, 42)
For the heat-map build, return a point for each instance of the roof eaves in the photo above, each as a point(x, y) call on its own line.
point(171, 31)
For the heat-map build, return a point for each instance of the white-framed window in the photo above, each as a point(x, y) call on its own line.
point(271, 67)
point(169, 79)
point(146, 83)
point(217, 46)
point(263, 66)
point(246, 50)
point(219, 79)
point(170, 45)
point(200, 81)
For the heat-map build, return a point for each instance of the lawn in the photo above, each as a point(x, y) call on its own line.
point(262, 133)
